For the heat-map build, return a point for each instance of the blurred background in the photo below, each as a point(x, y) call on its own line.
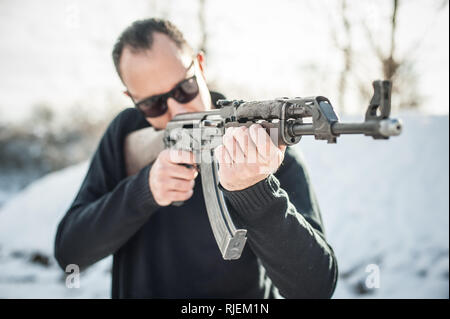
point(385, 204)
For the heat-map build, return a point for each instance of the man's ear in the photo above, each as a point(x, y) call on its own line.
point(201, 61)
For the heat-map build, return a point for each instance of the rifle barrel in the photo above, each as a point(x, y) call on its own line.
point(386, 128)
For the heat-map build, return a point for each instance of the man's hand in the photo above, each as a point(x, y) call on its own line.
point(246, 157)
point(170, 182)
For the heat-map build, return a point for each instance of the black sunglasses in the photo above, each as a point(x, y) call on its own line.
point(156, 105)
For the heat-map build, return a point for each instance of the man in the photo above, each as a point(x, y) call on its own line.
point(164, 251)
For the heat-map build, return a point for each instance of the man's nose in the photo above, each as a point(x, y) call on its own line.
point(176, 107)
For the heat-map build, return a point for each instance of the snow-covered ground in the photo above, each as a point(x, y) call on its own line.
point(385, 206)
point(386, 203)
point(28, 224)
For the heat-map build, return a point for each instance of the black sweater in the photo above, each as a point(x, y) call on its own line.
point(170, 252)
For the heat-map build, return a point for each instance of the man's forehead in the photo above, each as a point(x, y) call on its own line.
point(155, 70)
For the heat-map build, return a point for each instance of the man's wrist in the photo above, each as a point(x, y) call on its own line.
point(142, 194)
point(251, 202)
point(237, 187)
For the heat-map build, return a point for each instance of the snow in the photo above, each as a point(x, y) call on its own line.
point(387, 203)
point(28, 225)
point(385, 207)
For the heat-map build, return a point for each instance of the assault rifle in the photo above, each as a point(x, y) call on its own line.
point(201, 133)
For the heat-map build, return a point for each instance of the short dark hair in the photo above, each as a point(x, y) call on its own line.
point(139, 36)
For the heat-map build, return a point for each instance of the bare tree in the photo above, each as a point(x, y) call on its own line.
point(399, 70)
point(390, 65)
point(346, 48)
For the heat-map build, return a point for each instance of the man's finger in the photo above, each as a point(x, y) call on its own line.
point(264, 144)
point(180, 185)
point(179, 156)
point(222, 156)
point(245, 142)
point(176, 196)
point(180, 171)
point(232, 146)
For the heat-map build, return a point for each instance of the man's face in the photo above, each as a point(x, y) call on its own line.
point(156, 71)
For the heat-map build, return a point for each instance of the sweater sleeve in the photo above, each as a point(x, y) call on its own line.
point(109, 208)
point(285, 231)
